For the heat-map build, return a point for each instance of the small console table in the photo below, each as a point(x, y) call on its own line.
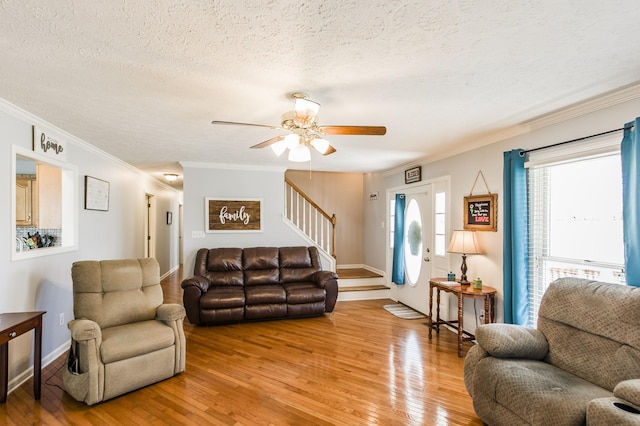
point(13, 325)
point(441, 284)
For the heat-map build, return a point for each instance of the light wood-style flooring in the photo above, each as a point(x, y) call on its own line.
point(357, 366)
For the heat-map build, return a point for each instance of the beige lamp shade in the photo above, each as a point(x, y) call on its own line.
point(463, 242)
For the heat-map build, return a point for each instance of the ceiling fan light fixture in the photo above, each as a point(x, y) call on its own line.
point(279, 147)
point(291, 141)
point(321, 145)
point(299, 154)
point(305, 112)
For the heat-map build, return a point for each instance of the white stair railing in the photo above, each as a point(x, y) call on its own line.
point(307, 216)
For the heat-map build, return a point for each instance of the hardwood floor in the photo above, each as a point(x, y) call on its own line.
point(357, 366)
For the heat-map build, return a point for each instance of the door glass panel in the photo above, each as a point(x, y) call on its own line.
point(413, 241)
point(441, 224)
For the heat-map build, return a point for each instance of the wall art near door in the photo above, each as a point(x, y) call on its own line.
point(233, 215)
point(480, 212)
point(96, 194)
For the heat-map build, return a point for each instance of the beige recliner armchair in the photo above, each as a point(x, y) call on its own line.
point(126, 337)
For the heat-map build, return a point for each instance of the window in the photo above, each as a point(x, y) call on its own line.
point(44, 205)
point(441, 224)
point(413, 241)
point(575, 222)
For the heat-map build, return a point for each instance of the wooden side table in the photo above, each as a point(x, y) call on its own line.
point(487, 293)
point(13, 325)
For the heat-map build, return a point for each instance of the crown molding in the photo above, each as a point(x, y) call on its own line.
point(588, 106)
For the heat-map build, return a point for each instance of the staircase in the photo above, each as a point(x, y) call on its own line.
point(319, 228)
point(359, 283)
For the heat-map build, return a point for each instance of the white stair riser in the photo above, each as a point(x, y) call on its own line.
point(357, 282)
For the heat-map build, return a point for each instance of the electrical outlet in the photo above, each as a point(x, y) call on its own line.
point(61, 319)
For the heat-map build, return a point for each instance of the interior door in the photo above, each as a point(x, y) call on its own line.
point(418, 248)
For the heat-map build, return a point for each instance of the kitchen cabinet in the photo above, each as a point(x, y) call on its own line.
point(24, 201)
point(39, 199)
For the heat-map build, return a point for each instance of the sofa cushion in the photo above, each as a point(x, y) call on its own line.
point(537, 392)
point(298, 264)
point(222, 297)
point(135, 339)
point(303, 293)
point(116, 292)
point(264, 294)
point(273, 310)
point(261, 266)
point(221, 266)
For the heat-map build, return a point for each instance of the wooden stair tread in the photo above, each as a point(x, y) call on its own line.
point(351, 273)
point(363, 288)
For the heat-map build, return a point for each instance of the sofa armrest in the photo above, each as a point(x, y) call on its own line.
point(512, 341)
point(474, 355)
point(629, 390)
point(170, 312)
point(322, 278)
point(196, 281)
point(327, 280)
point(84, 329)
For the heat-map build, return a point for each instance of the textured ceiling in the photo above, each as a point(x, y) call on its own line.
point(142, 80)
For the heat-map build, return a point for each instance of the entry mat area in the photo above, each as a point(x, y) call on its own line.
point(403, 311)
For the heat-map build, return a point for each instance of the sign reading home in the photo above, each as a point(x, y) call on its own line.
point(231, 215)
point(44, 142)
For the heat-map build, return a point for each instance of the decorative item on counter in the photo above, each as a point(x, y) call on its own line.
point(451, 276)
point(37, 241)
point(477, 284)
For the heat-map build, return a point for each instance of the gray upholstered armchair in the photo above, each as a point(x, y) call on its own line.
point(126, 337)
point(580, 365)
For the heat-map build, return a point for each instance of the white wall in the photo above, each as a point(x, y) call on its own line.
point(463, 169)
point(217, 180)
point(44, 283)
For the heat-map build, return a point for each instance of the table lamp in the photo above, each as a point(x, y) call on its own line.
point(463, 242)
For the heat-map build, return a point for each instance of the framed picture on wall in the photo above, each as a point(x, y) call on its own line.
point(233, 215)
point(96, 194)
point(413, 175)
point(480, 212)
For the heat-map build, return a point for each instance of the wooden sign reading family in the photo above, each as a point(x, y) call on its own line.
point(233, 215)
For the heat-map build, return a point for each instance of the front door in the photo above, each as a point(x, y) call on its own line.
point(418, 242)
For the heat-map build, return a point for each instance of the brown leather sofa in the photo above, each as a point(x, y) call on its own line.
point(234, 284)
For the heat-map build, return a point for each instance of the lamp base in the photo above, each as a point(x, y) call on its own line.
point(465, 282)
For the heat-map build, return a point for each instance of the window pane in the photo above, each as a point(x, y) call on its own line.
point(585, 200)
point(575, 224)
point(441, 224)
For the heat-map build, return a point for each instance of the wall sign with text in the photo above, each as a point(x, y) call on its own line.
point(480, 212)
point(45, 142)
point(233, 215)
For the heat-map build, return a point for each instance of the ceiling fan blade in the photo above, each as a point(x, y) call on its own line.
point(353, 130)
point(330, 150)
point(235, 123)
point(268, 142)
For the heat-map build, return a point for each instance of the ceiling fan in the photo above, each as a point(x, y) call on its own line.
point(304, 131)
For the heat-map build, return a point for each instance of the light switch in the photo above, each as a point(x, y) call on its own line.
point(197, 234)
